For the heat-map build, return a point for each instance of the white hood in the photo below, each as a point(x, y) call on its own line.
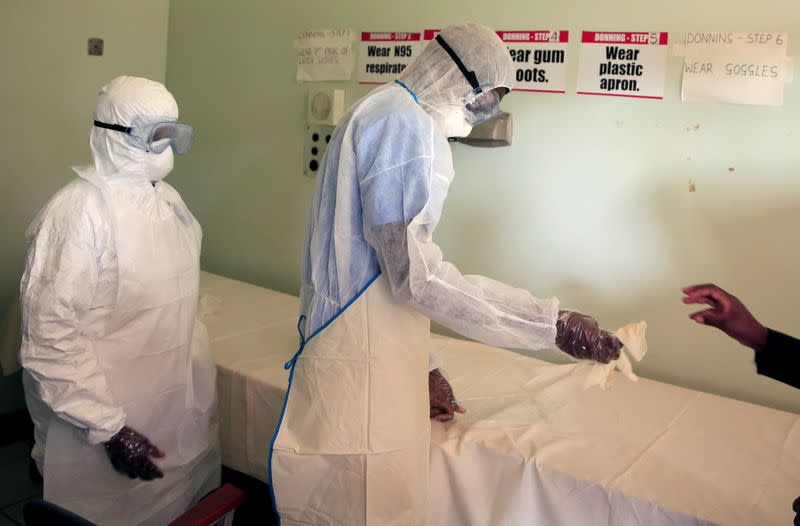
point(438, 83)
point(119, 102)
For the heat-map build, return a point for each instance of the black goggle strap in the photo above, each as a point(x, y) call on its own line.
point(471, 77)
point(115, 127)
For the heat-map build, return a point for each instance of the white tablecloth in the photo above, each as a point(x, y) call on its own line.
point(533, 448)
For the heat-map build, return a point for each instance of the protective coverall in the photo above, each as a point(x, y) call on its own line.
point(110, 338)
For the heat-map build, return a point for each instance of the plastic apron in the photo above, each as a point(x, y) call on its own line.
point(157, 360)
point(353, 443)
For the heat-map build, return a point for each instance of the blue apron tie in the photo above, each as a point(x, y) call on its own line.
point(288, 365)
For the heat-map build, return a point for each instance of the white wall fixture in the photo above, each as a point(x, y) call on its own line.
point(325, 105)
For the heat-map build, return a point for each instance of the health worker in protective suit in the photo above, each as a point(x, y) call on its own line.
point(352, 444)
point(118, 375)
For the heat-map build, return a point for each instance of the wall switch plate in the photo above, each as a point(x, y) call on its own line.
point(314, 146)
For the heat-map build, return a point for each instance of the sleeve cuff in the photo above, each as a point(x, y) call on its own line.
point(555, 305)
point(434, 361)
point(99, 436)
point(780, 358)
point(765, 358)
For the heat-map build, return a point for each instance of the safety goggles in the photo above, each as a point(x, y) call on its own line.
point(485, 106)
point(155, 134)
point(483, 102)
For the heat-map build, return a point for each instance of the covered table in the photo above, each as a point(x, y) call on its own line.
point(533, 448)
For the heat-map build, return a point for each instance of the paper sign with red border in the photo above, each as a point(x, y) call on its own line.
point(383, 55)
point(623, 64)
point(540, 59)
point(430, 34)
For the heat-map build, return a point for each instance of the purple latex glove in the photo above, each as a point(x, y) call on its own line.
point(129, 452)
point(580, 336)
point(443, 402)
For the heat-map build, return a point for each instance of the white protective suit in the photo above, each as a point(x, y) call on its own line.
point(110, 335)
point(352, 444)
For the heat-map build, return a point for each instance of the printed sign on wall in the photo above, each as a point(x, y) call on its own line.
point(384, 55)
point(740, 68)
point(430, 34)
point(623, 64)
point(540, 58)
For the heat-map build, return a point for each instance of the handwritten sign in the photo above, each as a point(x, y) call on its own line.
point(324, 55)
point(623, 64)
point(738, 68)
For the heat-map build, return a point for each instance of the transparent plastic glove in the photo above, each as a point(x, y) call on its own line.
point(443, 402)
point(130, 452)
point(579, 336)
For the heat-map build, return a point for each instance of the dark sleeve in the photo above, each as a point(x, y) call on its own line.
point(780, 358)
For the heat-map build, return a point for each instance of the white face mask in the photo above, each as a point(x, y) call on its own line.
point(159, 165)
point(456, 124)
point(451, 120)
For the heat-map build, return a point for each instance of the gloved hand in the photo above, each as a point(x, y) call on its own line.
point(579, 335)
point(443, 403)
point(129, 452)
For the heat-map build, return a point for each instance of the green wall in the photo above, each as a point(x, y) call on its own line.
point(590, 204)
point(47, 96)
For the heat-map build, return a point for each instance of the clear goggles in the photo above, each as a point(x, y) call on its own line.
point(484, 106)
point(483, 103)
point(155, 134)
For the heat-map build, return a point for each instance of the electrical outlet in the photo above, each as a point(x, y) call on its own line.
point(314, 147)
point(96, 46)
